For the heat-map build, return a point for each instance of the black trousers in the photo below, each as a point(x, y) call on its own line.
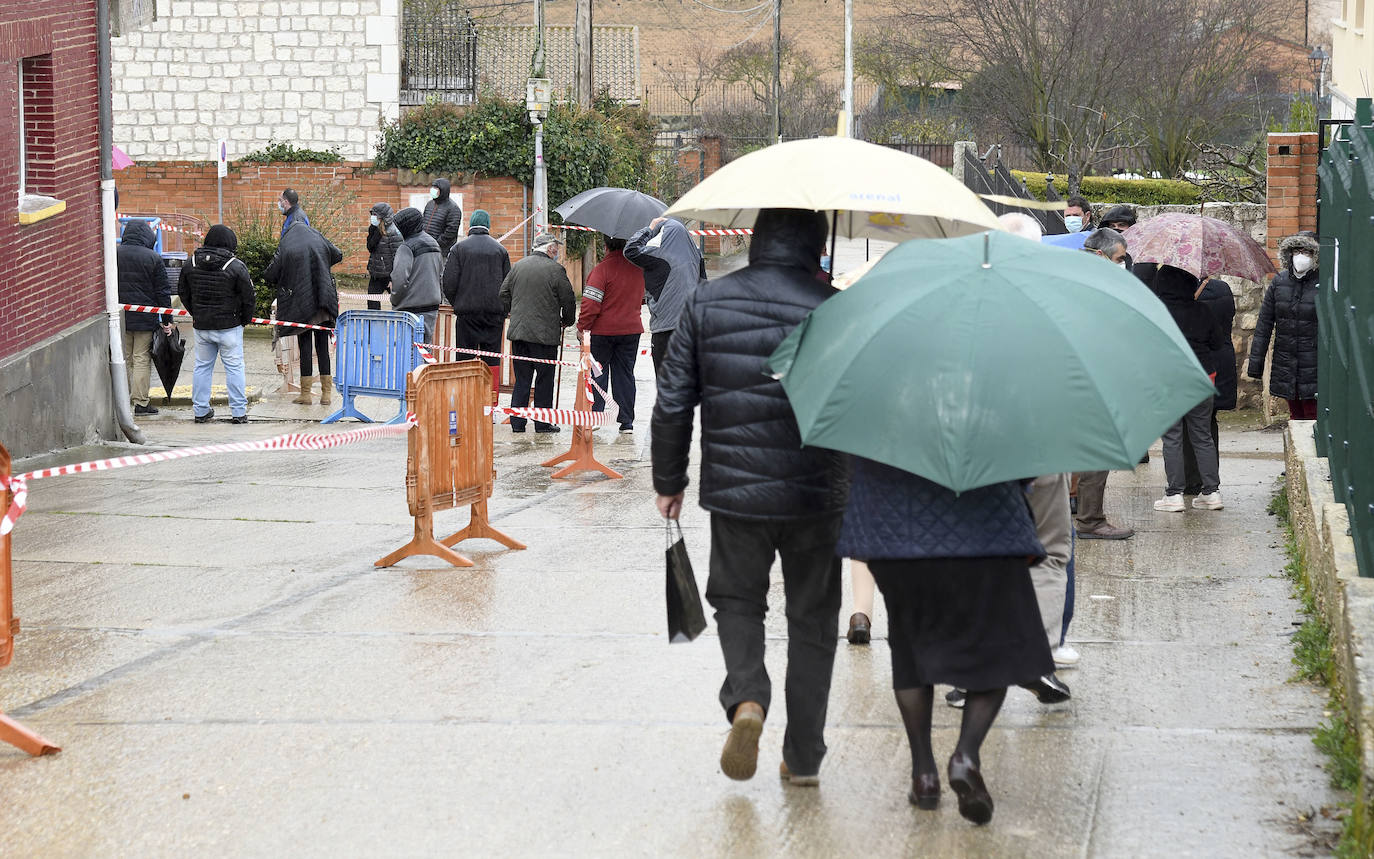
point(1192, 480)
point(742, 553)
point(376, 286)
point(525, 372)
point(479, 331)
point(616, 354)
point(658, 348)
point(321, 340)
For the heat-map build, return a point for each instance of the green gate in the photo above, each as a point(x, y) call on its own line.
point(1345, 313)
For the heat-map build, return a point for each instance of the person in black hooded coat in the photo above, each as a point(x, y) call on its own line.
point(382, 241)
point(443, 217)
point(1216, 297)
point(1289, 316)
point(142, 280)
point(306, 293)
point(767, 494)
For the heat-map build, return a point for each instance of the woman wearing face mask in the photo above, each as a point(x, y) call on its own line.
point(1289, 315)
point(382, 240)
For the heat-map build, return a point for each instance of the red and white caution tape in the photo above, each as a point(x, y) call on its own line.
point(169, 311)
point(436, 347)
point(566, 417)
point(290, 441)
point(716, 232)
point(170, 229)
point(425, 353)
point(512, 230)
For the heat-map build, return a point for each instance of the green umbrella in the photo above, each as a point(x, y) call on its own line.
point(975, 360)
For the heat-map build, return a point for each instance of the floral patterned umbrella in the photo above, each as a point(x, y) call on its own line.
point(1203, 247)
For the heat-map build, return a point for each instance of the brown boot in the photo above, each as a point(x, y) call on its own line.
point(740, 757)
point(304, 399)
point(326, 390)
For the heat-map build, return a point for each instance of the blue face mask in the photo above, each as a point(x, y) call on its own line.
point(1073, 223)
point(825, 263)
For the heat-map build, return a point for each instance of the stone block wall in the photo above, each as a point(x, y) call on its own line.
point(313, 73)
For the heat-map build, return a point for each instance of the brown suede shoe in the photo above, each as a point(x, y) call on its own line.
point(740, 757)
point(785, 773)
point(1106, 531)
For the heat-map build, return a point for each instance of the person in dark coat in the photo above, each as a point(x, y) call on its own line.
point(1179, 291)
point(1289, 317)
point(767, 494)
point(382, 240)
point(217, 291)
point(673, 269)
point(611, 324)
point(306, 293)
point(289, 204)
point(473, 275)
point(443, 219)
point(540, 301)
point(417, 272)
point(1221, 304)
point(142, 280)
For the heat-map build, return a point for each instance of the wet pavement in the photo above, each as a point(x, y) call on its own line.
point(228, 674)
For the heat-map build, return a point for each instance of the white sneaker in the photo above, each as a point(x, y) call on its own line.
point(1208, 502)
point(1065, 657)
point(1170, 504)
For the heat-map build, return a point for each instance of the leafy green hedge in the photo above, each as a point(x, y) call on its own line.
point(1105, 189)
point(278, 151)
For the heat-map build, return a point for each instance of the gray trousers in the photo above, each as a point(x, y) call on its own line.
point(1092, 488)
point(1198, 424)
point(1049, 504)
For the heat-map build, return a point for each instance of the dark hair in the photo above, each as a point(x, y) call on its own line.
point(290, 196)
point(1081, 203)
point(615, 244)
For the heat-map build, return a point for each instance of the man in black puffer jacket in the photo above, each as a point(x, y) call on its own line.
point(142, 280)
point(473, 275)
point(767, 494)
point(443, 217)
point(215, 288)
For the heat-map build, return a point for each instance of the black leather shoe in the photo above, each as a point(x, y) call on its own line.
point(975, 803)
point(925, 791)
point(205, 418)
point(145, 410)
point(1048, 689)
point(548, 429)
point(239, 419)
point(859, 628)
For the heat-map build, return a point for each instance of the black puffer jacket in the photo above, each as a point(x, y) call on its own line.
point(300, 272)
point(1178, 290)
point(1217, 298)
point(443, 218)
point(1289, 316)
point(382, 242)
point(215, 288)
point(753, 463)
point(473, 274)
point(142, 276)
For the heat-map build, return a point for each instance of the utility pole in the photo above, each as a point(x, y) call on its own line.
point(777, 71)
point(583, 76)
point(848, 68)
point(537, 103)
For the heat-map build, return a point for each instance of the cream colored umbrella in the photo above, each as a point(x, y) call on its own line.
point(875, 192)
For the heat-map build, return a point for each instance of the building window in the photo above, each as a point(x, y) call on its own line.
point(37, 118)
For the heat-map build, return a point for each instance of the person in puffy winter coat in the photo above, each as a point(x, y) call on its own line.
point(142, 280)
point(767, 494)
point(416, 272)
point(443, 219)
point(382, 241)
point(216, 290)
point(1289, 317)
point(306, 293)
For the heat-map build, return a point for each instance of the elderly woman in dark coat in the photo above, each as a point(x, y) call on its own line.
point(1289, 316)
point(954, 572)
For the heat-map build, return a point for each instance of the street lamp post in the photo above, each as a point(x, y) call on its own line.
point(1318, 60)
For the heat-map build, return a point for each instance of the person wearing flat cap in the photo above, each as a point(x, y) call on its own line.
point(539, 300)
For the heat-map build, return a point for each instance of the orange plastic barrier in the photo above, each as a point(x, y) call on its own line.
point(581, 455)
point(11, 731)
point(450, 462)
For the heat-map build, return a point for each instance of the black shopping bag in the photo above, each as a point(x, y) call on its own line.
point(686, 620)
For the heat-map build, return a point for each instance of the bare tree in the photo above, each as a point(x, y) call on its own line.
point(810, 105)
point(691, 72)
point(912, 105)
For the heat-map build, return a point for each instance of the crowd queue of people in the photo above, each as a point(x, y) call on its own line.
point(978, 585)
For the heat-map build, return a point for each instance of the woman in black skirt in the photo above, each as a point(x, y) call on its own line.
point(954, 572)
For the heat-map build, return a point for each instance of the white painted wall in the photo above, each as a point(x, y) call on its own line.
point(313, 73)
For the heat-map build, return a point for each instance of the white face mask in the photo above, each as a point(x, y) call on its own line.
point(281, 204)
point(374, 221)
point(434, 193)
point(1301, 264)
point(1073, 223)
point(1122, 264)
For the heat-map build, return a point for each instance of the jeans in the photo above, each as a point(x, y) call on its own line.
point(1197, 424)
point(138, 364)
point(616, 354)
point(525, 372)
point(429, 318)
point(742, 552)
point(1068, 591)
point(227, 343)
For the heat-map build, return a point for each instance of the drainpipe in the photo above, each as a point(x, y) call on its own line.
point(118, 376)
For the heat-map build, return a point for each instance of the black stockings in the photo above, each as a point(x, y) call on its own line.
point(980, 711)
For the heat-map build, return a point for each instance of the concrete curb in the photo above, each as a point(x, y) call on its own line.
point(1322, 529)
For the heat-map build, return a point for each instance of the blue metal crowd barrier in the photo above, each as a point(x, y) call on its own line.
point(373, 356)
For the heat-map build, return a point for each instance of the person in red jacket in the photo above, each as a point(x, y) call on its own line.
point(610, 326)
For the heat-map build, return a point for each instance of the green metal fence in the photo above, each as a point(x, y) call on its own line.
point(1345, 312)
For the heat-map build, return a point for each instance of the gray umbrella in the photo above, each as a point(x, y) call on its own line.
point(617, 212)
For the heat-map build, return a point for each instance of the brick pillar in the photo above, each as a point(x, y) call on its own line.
point(1291, 204)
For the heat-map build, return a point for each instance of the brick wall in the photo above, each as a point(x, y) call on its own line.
point(1292, 177)
point(51, 271)
point(349, 188)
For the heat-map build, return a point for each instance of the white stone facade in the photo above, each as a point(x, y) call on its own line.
point(317, 74)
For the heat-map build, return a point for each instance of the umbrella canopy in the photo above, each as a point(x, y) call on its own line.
point(1072, 241)
point(617, 212)
point(119, 158)
point(168, 352)
point(987, 358)
point(1203, 247)
point(879, 193)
